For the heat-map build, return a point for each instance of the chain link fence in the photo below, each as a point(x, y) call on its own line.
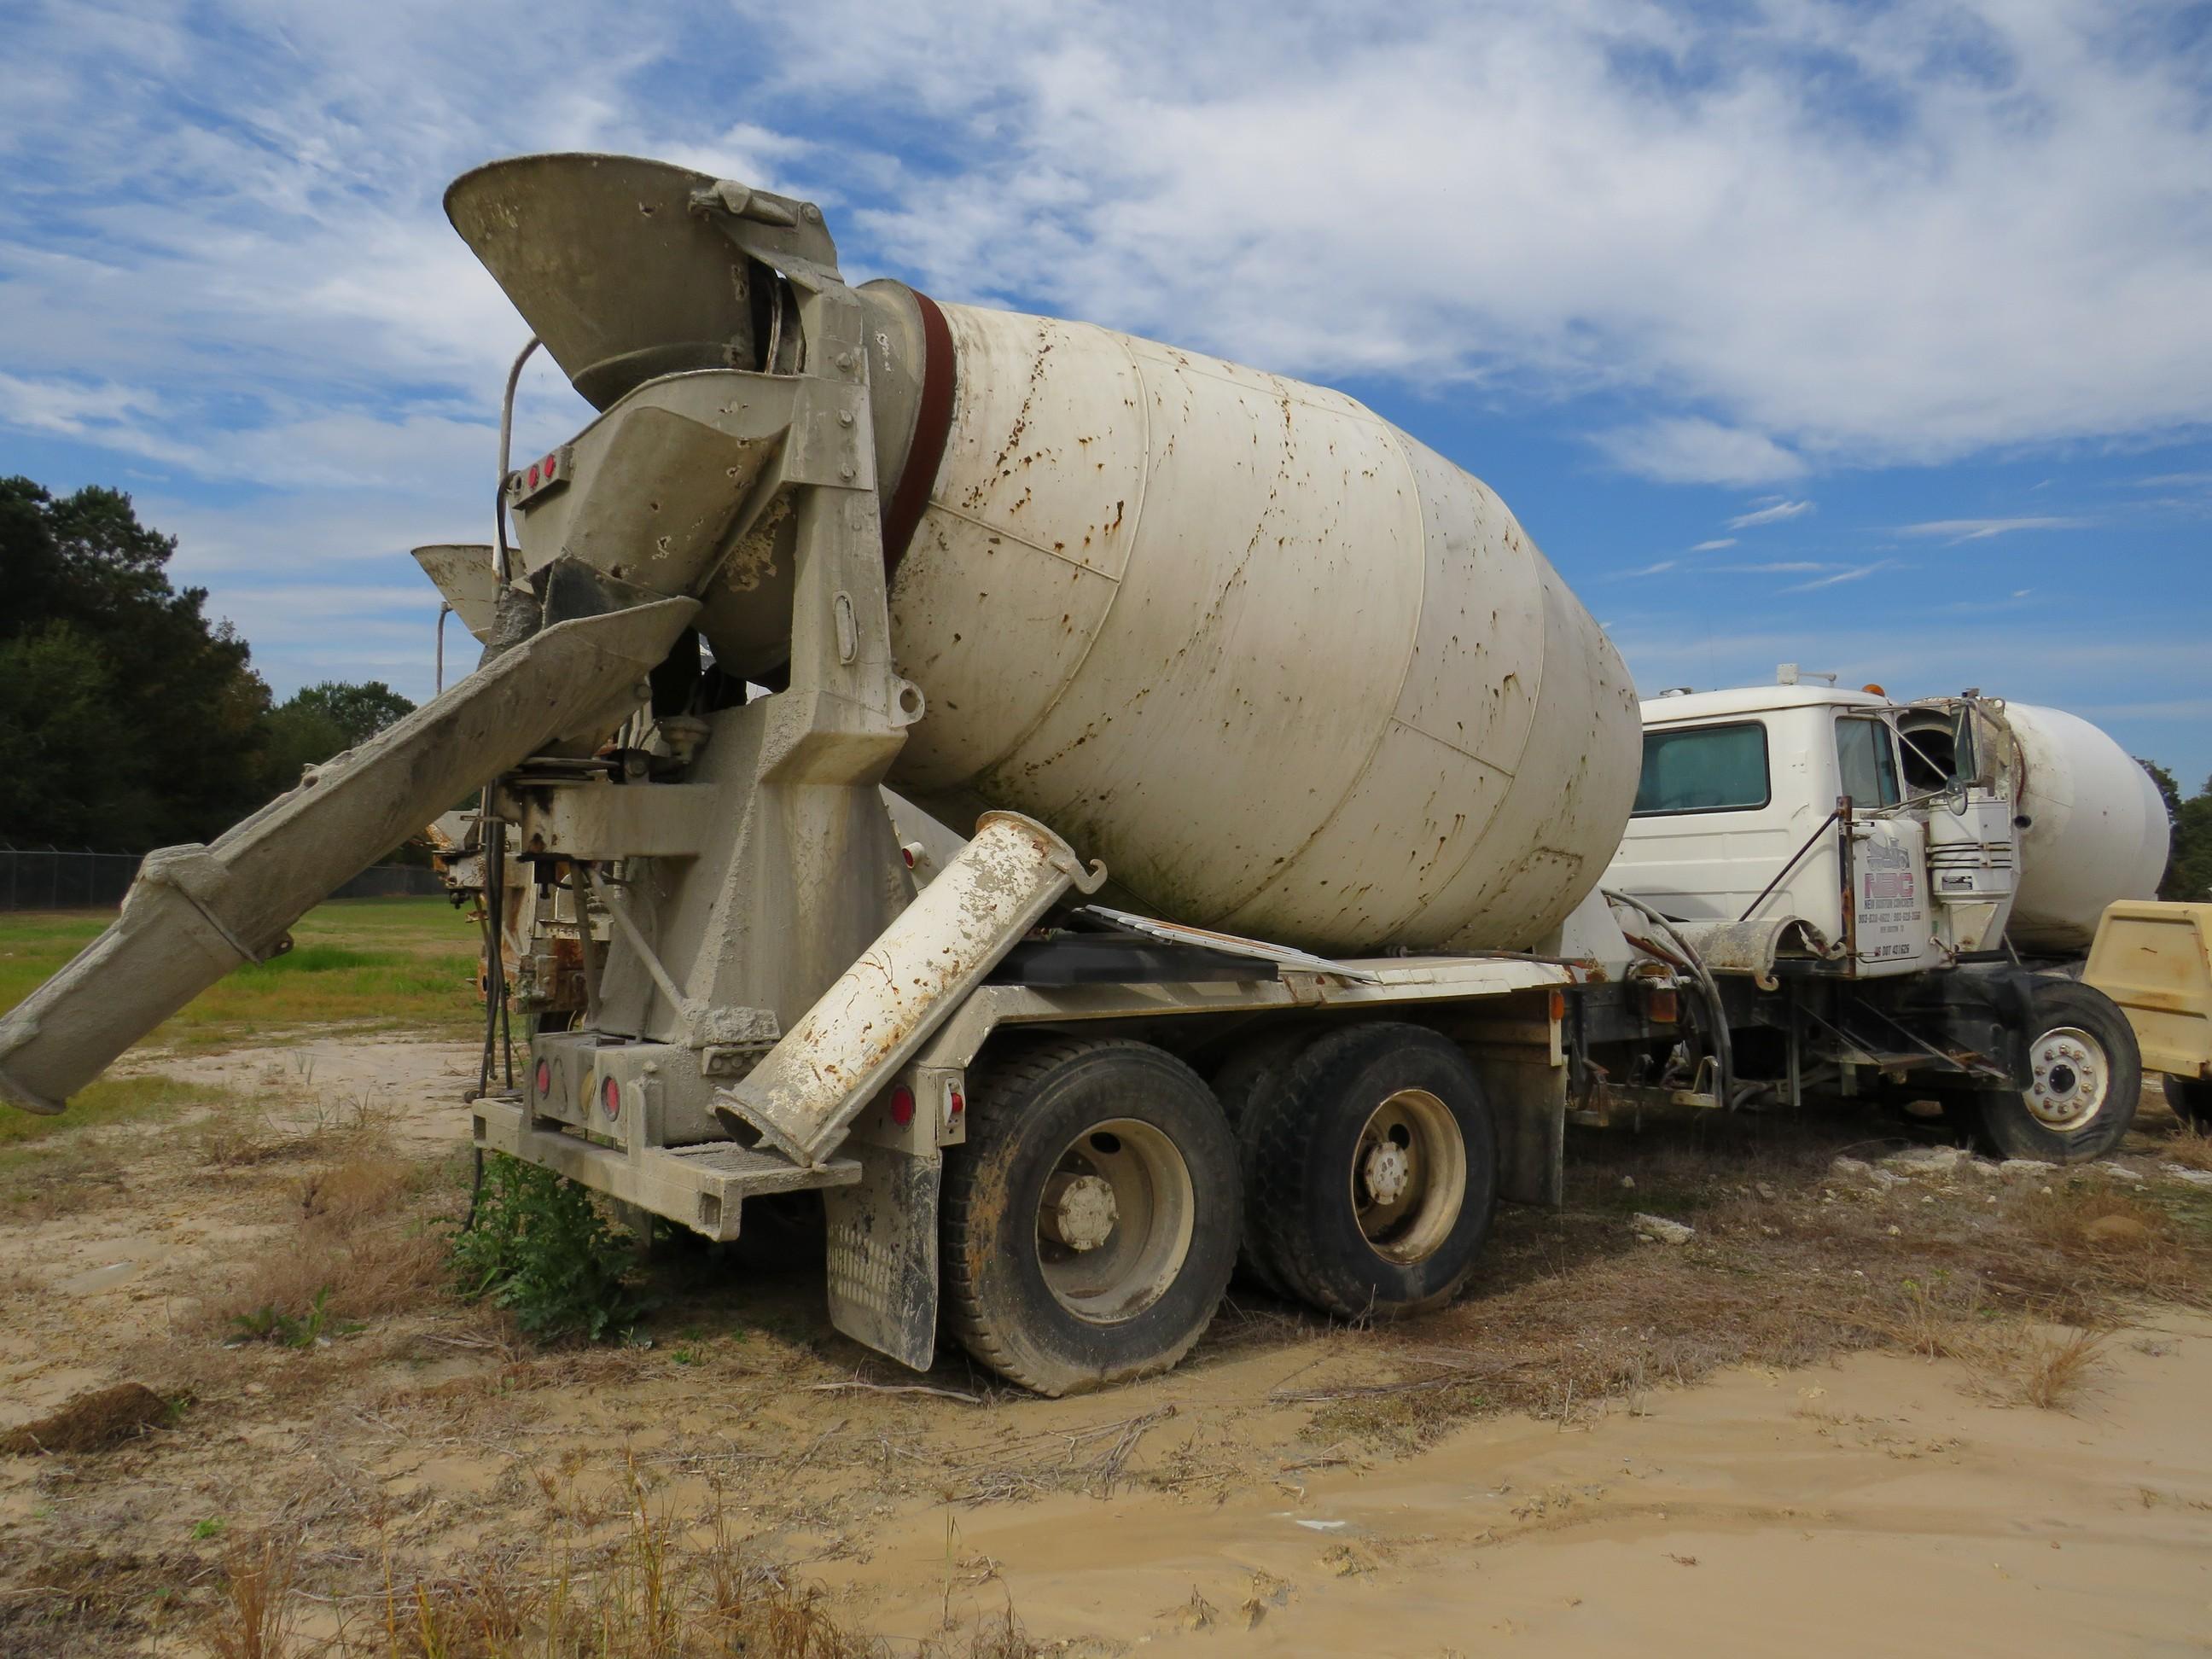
point(79, 879)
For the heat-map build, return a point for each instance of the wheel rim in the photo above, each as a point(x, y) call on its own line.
point(1113, 1221)
point(1408, 1177)
point(2072, 1077)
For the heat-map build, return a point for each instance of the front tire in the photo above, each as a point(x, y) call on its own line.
point(1375, 1172)
point(1091, 1222)
point(2087, 1080)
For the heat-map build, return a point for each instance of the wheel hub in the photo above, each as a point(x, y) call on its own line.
point(1408, 1177)
point(2070, 1078)
point(1387, 1173)
point(1115, 1221)
point(1082, 1214)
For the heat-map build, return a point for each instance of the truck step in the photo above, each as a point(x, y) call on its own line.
point(703, 1187)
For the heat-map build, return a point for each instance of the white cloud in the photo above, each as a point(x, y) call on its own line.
point(1980, 530)
point(1838, 263)
point(1690, 449)
point(1714, 546)
point(1856, 572)
point(1843, 235)
point(1658, 570)
point(1774, 513)
point(1775, 567)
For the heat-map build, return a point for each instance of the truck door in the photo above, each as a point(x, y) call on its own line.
point(1889, 853)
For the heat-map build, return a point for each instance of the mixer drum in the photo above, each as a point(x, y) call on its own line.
point(1285, 669)
point(2093, 828)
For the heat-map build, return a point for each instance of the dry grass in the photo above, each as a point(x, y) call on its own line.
point(363, 1249)
point(76, 1600)
point(96, 1152)
point(2191, 1148)
point(257, 1617)
point(1790, 1265)
point(2051, 1370)
point(655, 1585)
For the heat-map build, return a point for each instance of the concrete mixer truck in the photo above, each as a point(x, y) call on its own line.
point(836, 567)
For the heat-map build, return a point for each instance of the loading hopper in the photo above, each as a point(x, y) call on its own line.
point(604, 258)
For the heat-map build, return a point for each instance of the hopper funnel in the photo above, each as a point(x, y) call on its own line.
point(604, 259)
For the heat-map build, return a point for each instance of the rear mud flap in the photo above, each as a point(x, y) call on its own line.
point(882, 1254)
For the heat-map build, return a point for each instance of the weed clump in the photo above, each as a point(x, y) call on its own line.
point(542, 1249)
point(361, 1252)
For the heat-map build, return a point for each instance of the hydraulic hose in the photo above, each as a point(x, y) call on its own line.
point(1723, 1048)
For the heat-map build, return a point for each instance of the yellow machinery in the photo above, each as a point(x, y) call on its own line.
point(2155, 959)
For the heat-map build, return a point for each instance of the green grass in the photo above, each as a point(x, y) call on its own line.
point(373, 964)
point(110, 1100)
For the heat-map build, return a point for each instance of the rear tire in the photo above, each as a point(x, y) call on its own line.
point(1375, 1172)
point(2191, 1100)
point(1253, 1075)
point(2088, 1077)
point(1091, 1222)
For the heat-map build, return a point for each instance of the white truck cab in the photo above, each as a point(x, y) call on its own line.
point(1876, 894)
point(1772, 804)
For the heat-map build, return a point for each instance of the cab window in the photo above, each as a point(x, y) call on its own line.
point(1866, 757)
point(1704, 768)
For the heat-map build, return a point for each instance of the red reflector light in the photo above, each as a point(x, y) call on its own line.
point(959, 1102)
point(549, 459)
point(533, 475)
point(610, 1096)
point(907, 852)
point(901, 1106)
point(544, 1078)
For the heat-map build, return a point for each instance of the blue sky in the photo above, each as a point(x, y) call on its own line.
point(1874, 338)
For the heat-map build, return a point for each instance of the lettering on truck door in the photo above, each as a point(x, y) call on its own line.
point(1889, 884)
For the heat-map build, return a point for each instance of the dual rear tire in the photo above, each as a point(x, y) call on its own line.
point(1093, 1219)
point(1372, 1171)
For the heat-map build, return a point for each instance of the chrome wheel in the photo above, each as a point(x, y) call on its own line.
point(1114, 1223)
point(2072, 1076)
point(1408, 1177)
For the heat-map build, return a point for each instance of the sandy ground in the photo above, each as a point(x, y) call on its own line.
point(1884, 1503)
point(1874, 1506)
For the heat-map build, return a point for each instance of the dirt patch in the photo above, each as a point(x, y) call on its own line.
point(91, 1423)
point(415, 1465)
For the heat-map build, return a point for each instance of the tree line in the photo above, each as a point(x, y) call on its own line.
point(2189, 865)
point(128, 719)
